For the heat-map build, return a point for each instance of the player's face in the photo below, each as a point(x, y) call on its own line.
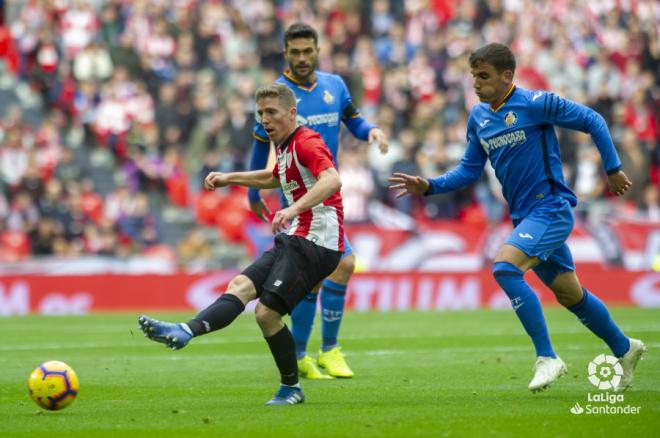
point(490, 86)
point(277, 120)
point(302, 54)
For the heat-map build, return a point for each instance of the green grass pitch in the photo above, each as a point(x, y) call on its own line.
point(417, 374)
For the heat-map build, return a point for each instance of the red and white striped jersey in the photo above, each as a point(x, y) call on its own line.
point(300, 160)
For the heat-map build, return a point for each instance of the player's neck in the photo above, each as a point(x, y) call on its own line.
point(287, 138)
point(307, 81)
point(500, 101)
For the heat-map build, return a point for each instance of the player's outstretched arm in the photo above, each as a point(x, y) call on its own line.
point(327, 183)
point(408, 184)
point(258, 179)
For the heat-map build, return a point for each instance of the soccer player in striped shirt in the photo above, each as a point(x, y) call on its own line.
point(307, 252)
point(324, 102)
point(514, 129)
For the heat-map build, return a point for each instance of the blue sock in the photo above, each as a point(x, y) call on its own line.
point(302, 321)
point(594, 315)
point(333, 298)
point(526, 305)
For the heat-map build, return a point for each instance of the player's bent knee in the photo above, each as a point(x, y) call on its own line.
point(243, 288)
point(567, 288)
point(568, 299)
point(267, 318)
point(344, 270)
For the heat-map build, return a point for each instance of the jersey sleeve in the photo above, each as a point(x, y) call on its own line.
point(566, 113)
point(314, 155)
point(351, 116)
point(468, 170)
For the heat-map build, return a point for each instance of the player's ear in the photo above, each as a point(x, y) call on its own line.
point(508, 75)
point(293, 112)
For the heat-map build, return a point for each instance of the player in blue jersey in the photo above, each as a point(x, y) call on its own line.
point(513, 128)
point(323, 103)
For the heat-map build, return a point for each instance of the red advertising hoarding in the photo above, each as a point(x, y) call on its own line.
point(384, 291)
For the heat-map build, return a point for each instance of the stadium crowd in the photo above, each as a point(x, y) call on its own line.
point(111, 112)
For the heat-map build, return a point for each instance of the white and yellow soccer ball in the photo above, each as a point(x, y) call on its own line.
point(53, 385)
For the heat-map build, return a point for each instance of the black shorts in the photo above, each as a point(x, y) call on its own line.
point(289, 271)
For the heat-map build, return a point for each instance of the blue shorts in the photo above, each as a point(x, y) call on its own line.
point(543, 234)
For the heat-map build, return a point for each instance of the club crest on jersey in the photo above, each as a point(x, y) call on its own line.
point(327, 97)
point(510, 119)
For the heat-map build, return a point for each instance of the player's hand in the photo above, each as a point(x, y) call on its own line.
point(281, 219)
point(378, 136)
point(259, 208)
point(409, 184)
point(619, 183)
point(215, 180)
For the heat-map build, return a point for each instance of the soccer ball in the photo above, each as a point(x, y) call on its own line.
point(53, 385)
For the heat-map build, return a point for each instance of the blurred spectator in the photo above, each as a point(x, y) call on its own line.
point(43, 237)
point(636, 163)
point(194, 250)
point(358, 185)
point(93, 63)
point(23, 214)
point(407, 164)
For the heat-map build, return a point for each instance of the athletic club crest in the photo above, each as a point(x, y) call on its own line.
point(510, 119)
point(327, 97)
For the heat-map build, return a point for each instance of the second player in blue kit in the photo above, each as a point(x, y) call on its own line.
point(514, 129)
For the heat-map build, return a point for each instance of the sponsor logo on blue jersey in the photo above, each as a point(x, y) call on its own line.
point(509, 139)
point(330, 119)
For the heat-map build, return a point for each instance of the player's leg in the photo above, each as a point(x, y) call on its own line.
point(218, 315)
point(509, 268)
point(532, 241)
point(559, 274)
point(333, 301)
point(302, 322)
point(242, 288)
point(302, 265)
point(269, 313)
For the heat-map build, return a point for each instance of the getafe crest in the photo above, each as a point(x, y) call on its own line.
point(510, 119)
point(327, 97)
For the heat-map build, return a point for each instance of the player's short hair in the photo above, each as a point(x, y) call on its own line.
point(280, 91)
point(495, 54)
point(300, 30)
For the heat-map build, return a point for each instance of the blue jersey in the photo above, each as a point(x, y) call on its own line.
point(519, 139)
point(322, 105)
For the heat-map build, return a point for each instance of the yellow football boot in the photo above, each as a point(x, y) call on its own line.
point(307, 368)
point(334, 363)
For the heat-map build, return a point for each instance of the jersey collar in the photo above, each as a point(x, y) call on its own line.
point(286, 141)
point(506, 97)
point(307, 87)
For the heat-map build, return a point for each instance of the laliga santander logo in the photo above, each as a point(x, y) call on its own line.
point(605, 372)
